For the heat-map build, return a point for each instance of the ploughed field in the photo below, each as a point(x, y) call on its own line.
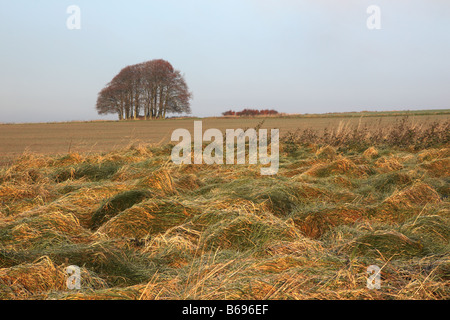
point(141, 227)
point(102, 136)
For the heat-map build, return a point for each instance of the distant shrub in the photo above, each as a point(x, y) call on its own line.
point(229, 113)
point(251, 112)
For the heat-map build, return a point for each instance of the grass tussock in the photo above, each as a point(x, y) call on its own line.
point(370, 153)
point(42, 231)
point(117, 204)
point(40, 278)
point(145, 219)
point(417, 194)
point(341, 166)
point(386, 245)
point(315, 224)
point(388, 164)
point(92, 172)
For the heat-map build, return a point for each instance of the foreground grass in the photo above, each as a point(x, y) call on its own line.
point(142, 228)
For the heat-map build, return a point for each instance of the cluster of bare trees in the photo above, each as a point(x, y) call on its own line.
point(147, 90)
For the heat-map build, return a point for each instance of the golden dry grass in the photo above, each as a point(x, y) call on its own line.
point(226, 232)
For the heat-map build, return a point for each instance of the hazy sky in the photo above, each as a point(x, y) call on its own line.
point(298, 56)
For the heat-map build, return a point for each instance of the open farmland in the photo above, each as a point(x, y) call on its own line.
point(103, 136)
point(140, 227)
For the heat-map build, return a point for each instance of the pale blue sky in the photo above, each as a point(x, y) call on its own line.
point(296, 56)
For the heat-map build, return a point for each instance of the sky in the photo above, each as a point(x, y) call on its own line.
point(296, 56)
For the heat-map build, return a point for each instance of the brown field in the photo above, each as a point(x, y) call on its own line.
point(104, 136)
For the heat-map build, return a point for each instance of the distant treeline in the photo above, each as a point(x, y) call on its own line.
point(251, 112)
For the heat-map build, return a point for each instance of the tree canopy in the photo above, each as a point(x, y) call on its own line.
point(150, 89)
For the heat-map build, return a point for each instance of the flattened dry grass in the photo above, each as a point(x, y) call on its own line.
point(146, 219)
point(315, 224)
point(117, 204)
point(417, 194)
point(92, 172)
point(385, 244)
point(141, 227)
point(244, 230)
point(42, 230)
point(341, 165)
point(40, 278)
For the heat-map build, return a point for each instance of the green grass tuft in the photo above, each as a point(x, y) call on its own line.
point(92, 172)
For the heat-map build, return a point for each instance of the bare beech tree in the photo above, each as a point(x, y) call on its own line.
point(153, 87)
point(112, 100)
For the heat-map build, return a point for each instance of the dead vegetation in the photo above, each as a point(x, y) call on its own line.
point(140, 227)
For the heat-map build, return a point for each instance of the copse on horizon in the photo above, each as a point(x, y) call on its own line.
point(251, 112)
point(154, 88)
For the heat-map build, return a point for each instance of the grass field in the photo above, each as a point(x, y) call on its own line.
point(140, 227)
